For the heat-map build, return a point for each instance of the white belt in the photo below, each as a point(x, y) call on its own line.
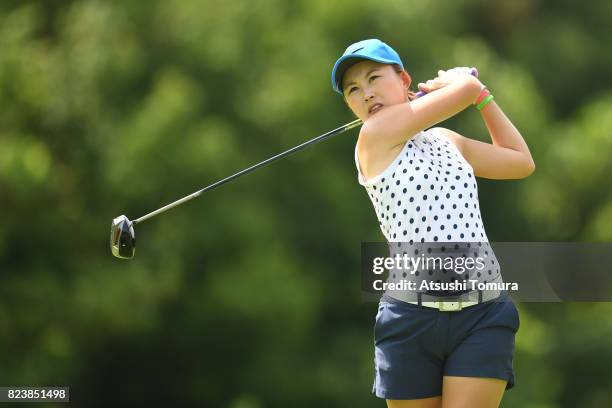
point(444, 306)
point(456, 305)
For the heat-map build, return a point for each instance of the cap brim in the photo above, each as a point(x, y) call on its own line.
point(347, 61)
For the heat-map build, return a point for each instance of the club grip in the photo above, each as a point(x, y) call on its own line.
point(473, 72)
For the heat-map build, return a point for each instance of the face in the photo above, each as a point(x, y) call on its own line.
point(369, 86)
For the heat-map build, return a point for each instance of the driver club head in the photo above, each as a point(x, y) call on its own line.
point(122, 238)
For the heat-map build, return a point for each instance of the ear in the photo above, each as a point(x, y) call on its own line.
point(406, 79)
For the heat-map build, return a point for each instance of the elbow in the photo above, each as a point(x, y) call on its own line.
point(529, 168)
point(520, 170)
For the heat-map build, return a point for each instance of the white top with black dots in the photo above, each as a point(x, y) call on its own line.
point(429, 194)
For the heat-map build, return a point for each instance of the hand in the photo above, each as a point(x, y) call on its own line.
point(445, 78)
point(464, 70)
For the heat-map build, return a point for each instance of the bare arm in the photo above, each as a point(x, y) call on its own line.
point(508, 157)
point(396, 124)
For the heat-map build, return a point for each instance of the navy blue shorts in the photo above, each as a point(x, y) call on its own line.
point(416, 346)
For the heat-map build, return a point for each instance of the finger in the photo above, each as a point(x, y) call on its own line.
point(432, 83)
point(462, 70)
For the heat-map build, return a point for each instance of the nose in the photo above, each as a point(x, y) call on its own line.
point(368, 94)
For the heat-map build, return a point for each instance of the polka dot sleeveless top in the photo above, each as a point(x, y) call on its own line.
point(429, 194)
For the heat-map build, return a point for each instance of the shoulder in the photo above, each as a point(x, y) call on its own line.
point(455, 138)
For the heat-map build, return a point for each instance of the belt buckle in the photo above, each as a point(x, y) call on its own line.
point(450, 306)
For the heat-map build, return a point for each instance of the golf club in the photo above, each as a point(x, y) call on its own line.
point(123, 237)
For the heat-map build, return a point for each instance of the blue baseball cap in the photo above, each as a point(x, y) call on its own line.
point(373, 49)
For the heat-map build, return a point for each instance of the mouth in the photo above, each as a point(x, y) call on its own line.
point(375, 108)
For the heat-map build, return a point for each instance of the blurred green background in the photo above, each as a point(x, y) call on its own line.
point(250, 296)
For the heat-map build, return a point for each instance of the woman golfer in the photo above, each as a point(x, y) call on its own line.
point(455, 352)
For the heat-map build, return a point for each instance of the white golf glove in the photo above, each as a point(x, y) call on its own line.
point(461, 70)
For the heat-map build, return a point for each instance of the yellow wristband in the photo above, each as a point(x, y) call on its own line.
point(486, 100)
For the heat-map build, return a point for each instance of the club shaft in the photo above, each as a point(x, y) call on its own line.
point(324, 136)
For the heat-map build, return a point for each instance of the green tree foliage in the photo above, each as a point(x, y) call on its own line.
point(249, 297)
